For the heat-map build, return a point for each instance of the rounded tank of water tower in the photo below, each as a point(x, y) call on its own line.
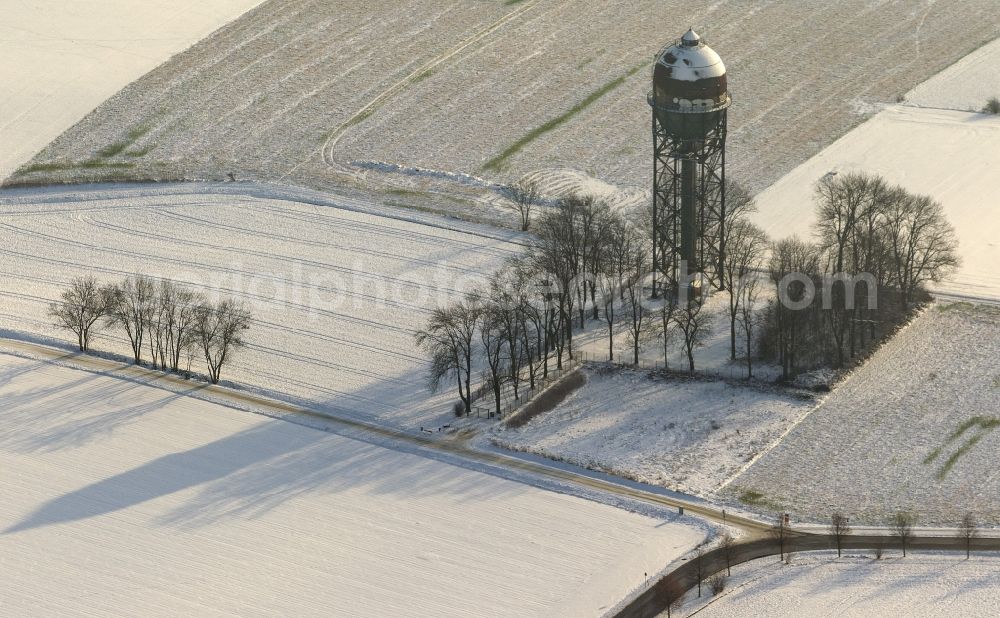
point(689, 88)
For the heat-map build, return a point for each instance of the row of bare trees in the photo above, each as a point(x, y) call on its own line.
point(901, 525)
point(586, 262)
point(671, 591)
point(173, 323)
point(876, 247)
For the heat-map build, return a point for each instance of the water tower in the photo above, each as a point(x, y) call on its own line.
point(689, 101)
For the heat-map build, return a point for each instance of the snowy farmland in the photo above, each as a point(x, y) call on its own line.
point(964, 86)
point(122, 497)
point(686, 435)
point(949, 154)
point(336, 292)
point(922, 585)
point(63, 59)
point(914, 429)
point(453, 86)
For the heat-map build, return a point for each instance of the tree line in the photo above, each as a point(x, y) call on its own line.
point(169, 321)
point(876, 247)
point(587, 261)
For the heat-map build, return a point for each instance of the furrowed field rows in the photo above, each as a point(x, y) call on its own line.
point(336, 294)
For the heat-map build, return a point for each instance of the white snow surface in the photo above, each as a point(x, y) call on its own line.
point(121, 498)
point(966, 85)
point(63, 59)
point(336, 292)
point(686, 435)
point(915, 428)
point(923, 584)
point(950, 155)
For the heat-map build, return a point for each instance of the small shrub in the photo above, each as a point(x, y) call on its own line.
point(716, 425)
point(878, 551)
point(717, 583)
point(992, 106)
point(458, 409)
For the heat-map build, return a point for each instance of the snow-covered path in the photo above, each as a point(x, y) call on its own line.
point(337, 288)
point(124, 498)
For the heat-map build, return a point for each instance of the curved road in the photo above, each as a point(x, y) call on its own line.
point(757, 542)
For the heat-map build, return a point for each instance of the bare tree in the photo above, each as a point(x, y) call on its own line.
point(131, 307)
point(449, 338)
point(180, 308)
point(219, 329)
point(667, 312)
point(525, 194)
point(849, 206)
point(749, 290)
point(779, 532)
point(670, 593)
point(79, 308)
point(694, 323)
point(699, 567)
point(788, 257)
point(902, 528)
point(506, 291)
point(156, 326)
point(728, 546)
point(740, 204)
point(839, 528)
point(556, 253)
point(493, 338)
point(923, 244)
point(608, 287)
point(635, 302)
point(745, 248)
point(968, 531)
point(615, 263)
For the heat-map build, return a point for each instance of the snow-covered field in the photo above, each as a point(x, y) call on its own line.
point(966, 85)
point(451, 85)
point(686, 435)
point(61, 59)
point(336, 293)
point(923, 584)
point(121, 498)
point(950, 154)
point(915, 428)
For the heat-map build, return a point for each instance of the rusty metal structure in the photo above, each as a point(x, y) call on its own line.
point(689, 101)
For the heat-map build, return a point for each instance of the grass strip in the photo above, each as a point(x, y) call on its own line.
point(496, 163)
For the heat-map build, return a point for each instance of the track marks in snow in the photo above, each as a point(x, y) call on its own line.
point(337, 294)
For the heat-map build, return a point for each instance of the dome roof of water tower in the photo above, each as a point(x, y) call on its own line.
point(691, 60)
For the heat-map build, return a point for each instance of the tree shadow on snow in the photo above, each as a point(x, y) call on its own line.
point(49, 418)
point(250, 472)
